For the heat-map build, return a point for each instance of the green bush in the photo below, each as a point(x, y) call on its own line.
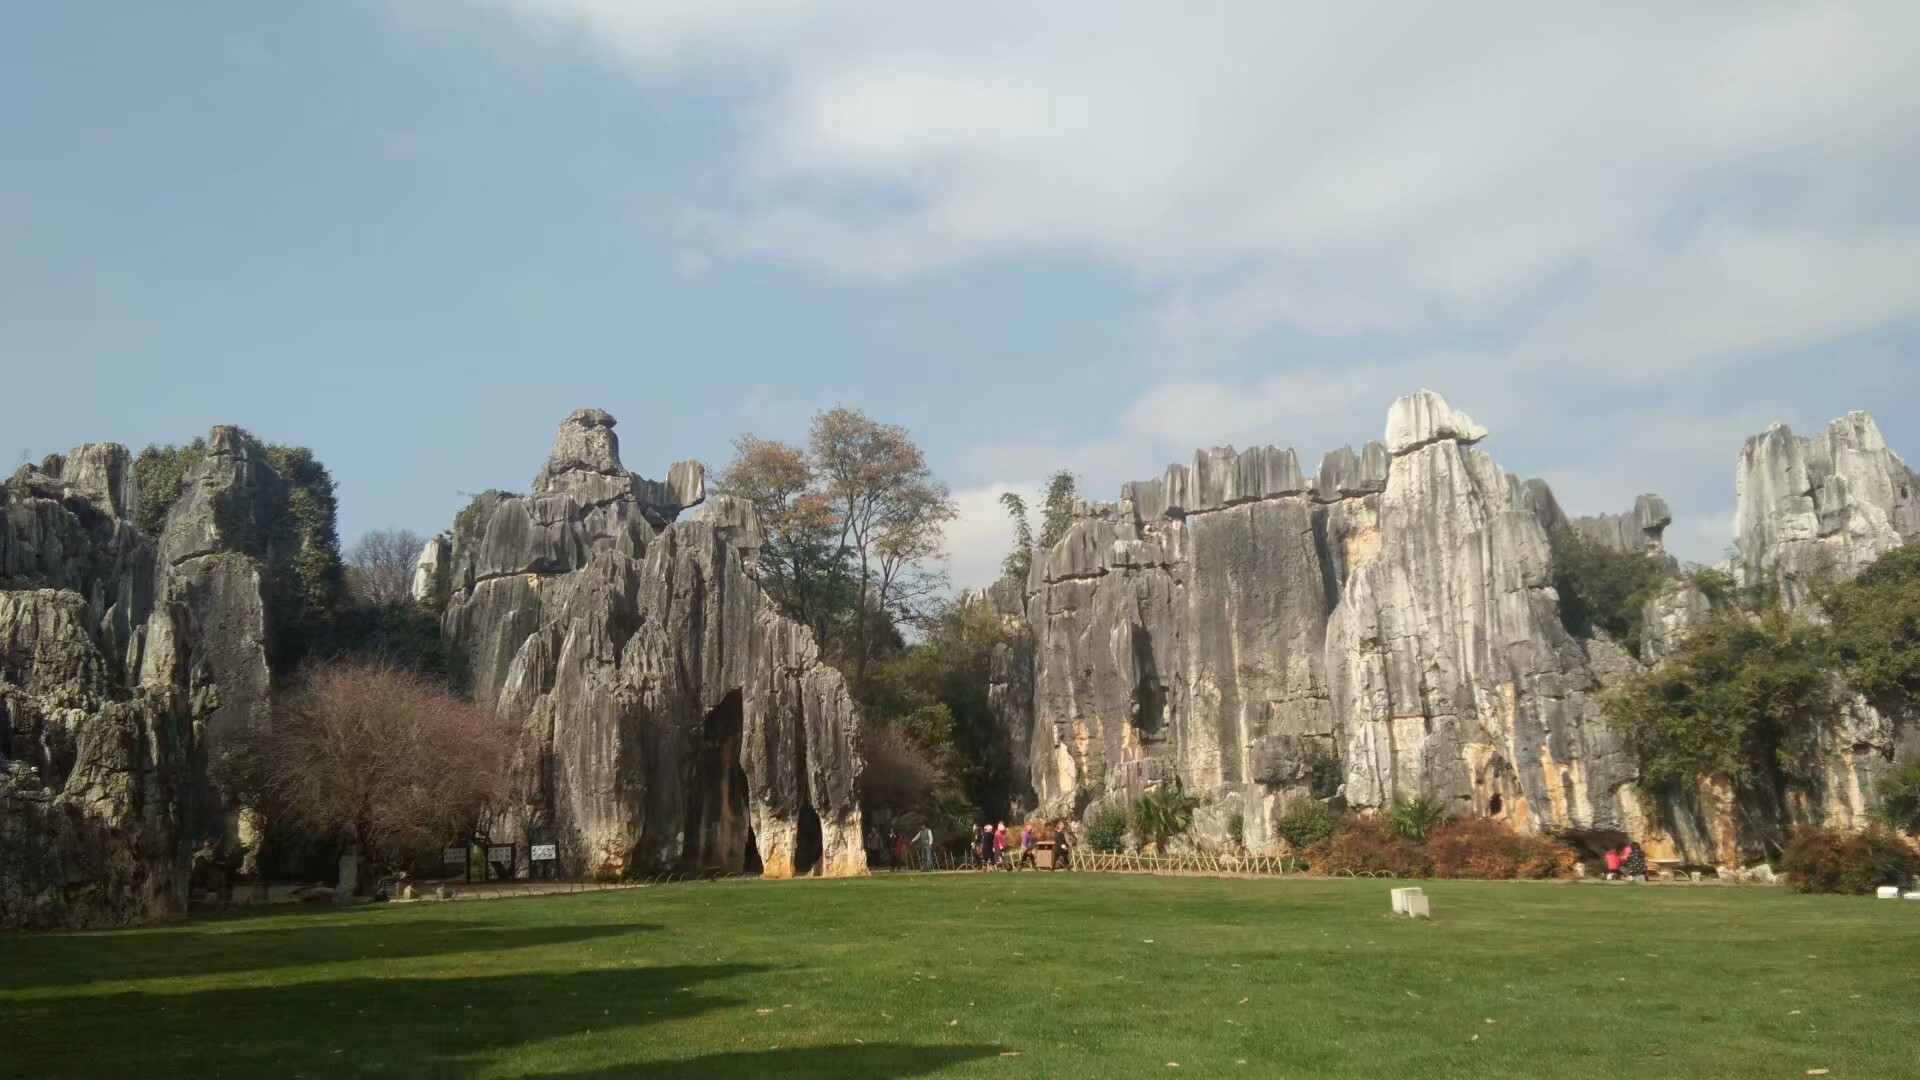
point(1306, 822)
point(1237, 831)
point(1415, 819)
point(1835, 861)
point(1107, 828)
point(1604, 589)
point(1161, 815)
point(1900, 797)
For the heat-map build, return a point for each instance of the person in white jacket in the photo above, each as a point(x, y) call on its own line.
point(924, 839)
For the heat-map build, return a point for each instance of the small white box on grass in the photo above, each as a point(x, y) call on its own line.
point(1411, 903)
point(1888, 892)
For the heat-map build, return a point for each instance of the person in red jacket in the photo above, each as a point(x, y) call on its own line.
point(1613, 864)
point(1000, 846)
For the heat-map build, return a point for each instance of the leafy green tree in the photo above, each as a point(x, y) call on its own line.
point(1019, 561)
point(1743, 697)
point(1056, 512)
point(1602, 589)
point(936, 688)
point(1899, 793)
point(1876, 630)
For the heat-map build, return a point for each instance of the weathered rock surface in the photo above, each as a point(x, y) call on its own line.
point(1822, 507)
point(675, 720)
point(124, 661)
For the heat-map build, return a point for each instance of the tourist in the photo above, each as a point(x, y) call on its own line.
point(871, 839)
point(1613, 864)
point(1026, 846)
point(1000, 847)
point(1633, 862)
point(983, 847)
point(1062, 845)
point(924, 841)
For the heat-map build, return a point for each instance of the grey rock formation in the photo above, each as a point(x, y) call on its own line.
point(1223, 627)
point(1226, 626)
point(1643, 528)
point(1822, 507)
point(430, 573)
point(125, 660)
point(675, 720)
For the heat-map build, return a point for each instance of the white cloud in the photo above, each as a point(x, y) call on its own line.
point(982, 535)
point(1603, 202)
point(1330, 168)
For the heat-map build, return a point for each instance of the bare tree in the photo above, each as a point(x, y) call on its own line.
point(380, 566)
point(379, 756)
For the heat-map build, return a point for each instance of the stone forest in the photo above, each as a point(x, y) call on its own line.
point(1401, 623)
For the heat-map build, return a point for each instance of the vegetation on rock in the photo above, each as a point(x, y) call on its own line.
point(1744, 698)
point(1602, 589)
point(157, 473)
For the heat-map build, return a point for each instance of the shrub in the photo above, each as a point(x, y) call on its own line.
point(1306, 822)
point(1107, 828)
point(1162, 814)
point(1415, 819)
point(1237, 831)
point(1485, 848)
point(1900, 797)
point(1362, 845)
point(1836, 861)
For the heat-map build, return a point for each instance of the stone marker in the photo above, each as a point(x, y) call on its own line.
point(1888, 892)
point(1410, 902)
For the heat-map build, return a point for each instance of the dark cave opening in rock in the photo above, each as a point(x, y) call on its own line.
point(1493, 805)
point(1150, 697)
point(808, 845)
point(718, 833)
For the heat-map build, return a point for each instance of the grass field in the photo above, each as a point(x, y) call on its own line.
point(991, 976)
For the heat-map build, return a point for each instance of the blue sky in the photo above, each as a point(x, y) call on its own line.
point(413, 234)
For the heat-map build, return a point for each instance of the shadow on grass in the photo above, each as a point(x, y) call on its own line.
point(881, 1061)
point(226, 946)
point(410, 1027)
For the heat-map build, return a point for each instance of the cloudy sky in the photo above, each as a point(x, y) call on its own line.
point(413, 234)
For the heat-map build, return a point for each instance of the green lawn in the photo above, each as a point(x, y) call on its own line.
point(995, 975)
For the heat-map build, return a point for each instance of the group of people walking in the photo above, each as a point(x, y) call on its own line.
point(991, 850)
point(989, 847)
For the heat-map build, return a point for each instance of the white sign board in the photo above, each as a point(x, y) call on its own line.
point(545, 852)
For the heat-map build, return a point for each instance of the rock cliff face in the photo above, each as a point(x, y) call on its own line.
point(1821, 507)
point(675, 720)
point(124, 661)
point(1232, 623)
